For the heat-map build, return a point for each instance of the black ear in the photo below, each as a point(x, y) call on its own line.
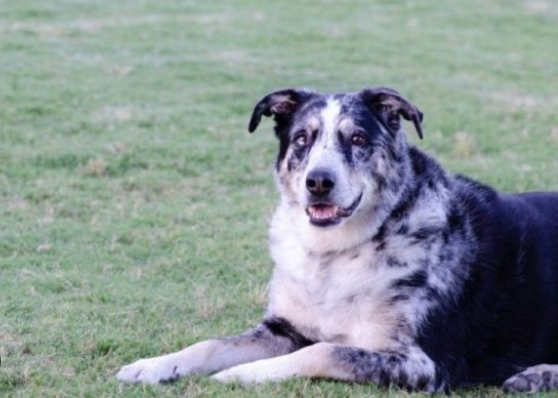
point(389, 105)
point(282, 104)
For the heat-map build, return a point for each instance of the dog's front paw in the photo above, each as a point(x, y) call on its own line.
point(151, 371)
point(244, 374)
point(256, 372)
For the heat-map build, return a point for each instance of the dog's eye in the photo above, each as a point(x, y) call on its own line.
point(383, 108)
point(358, 140)
point(301, 140)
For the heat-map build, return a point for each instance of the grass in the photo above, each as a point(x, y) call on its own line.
point(134, 205)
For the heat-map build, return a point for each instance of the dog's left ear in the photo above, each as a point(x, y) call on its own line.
point(389, 104)
point(281, 104)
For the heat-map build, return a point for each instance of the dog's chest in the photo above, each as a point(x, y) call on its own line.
point(338, 297)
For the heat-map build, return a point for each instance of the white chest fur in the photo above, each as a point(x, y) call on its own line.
point(336, 296)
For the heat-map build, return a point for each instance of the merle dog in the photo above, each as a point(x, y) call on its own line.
point(388, 269)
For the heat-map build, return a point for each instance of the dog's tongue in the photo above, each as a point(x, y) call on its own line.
point(322, 212)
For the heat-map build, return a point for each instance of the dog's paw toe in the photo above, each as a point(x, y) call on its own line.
point(128, 373)
point(534, 379)
point(226, 376)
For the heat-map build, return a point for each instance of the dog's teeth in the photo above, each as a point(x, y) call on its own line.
point(323, 212)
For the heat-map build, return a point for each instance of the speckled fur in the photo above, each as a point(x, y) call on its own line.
point(426, 281)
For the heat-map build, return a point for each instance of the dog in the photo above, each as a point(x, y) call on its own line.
point(388, 269)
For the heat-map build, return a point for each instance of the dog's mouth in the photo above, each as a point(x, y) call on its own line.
point(325, 214)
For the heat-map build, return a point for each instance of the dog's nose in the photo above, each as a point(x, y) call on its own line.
point(320, 182)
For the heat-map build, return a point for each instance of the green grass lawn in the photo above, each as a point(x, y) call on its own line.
point(134, 204)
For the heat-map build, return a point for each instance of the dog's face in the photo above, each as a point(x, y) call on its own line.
point(338, 154)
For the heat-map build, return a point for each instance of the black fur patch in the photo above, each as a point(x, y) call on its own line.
point(382, 368)
point(417, 279)
point(281, 327)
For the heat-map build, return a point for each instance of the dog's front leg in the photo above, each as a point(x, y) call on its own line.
point(410, 368)
point(272, 338)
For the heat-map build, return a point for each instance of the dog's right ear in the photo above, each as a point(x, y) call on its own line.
point(281, 104)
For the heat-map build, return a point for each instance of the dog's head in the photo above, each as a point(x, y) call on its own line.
point(339, 155)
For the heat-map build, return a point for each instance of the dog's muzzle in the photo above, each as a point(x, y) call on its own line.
point(323, 214)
